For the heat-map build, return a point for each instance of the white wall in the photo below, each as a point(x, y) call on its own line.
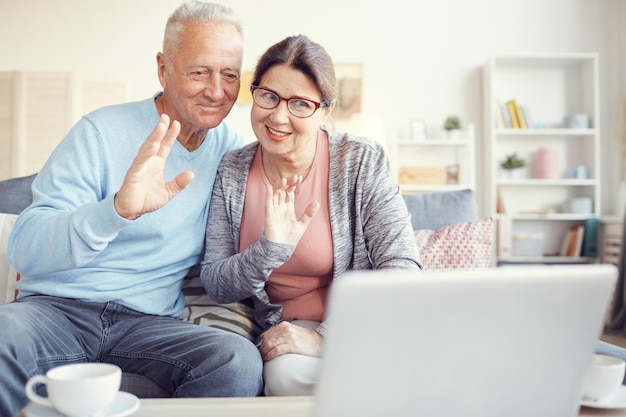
point(421, 60)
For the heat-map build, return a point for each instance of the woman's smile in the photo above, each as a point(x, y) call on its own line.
point(276, 135)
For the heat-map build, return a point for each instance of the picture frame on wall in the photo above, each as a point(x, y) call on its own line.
point(349, 78)
point(245, 96)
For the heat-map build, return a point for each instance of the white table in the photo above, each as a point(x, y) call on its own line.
point(226, 407)
point(260, 407)
point(263, 407)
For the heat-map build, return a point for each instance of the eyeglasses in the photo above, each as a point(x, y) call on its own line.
point(299, 107)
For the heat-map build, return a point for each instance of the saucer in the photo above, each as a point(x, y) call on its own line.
point(123, 404)
point(618, 401)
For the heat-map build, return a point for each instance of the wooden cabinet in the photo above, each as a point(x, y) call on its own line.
point(611, 238)
point(611, 232)
point(560, 93)
point(38, 108)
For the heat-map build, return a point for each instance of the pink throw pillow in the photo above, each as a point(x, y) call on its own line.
point(462, 245)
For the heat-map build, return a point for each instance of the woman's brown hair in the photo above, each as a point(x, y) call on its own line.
point(300, 53)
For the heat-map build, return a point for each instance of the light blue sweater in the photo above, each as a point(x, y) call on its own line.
point(72, 243)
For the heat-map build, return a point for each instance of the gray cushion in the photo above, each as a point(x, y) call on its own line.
point(435, 210)
point(15, 194)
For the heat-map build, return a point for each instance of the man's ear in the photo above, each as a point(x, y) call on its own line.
point(160, 58)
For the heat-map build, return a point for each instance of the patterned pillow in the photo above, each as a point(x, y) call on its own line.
point(462, 245)
point(201, 309)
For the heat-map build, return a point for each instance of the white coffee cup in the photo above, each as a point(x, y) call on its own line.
point(604, 378)
point(77, 390)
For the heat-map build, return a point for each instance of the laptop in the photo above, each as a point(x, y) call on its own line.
point(508, 341)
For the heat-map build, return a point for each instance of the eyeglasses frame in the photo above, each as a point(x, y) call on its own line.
point(287, 100)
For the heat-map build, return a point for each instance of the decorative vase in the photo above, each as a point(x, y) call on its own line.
point(546, 164)
point(453, 133)
point(514, 174)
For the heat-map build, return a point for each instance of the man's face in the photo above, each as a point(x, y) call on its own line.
point(201, 75)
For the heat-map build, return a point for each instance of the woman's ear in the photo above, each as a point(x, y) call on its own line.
point(327, 112)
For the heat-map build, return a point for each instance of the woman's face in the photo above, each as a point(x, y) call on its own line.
point(279, 132)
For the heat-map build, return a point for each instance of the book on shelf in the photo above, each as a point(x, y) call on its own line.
point(504, 119)
point(520, 116)
point(516, 116)
point(516, 112)
point(505, 237)
point(527, 117)
point(572, 244)
point(500, 204)
point(512, 114)
point(565, 243)
point(578, 244)
point(590, 240)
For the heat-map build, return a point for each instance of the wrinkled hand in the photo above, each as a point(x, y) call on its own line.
point(289, 338)
point(144, 189)
point(281, 223)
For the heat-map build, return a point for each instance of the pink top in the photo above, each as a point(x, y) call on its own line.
point(301, 284)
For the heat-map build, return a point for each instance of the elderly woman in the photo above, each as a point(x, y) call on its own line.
point(294, 211)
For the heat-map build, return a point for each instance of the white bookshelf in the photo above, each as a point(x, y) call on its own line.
point(439, 153)
point(551, 86)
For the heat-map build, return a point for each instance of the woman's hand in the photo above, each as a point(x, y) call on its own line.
point(281, 223)
point(289, 338)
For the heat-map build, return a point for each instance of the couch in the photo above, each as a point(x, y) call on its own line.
point(447, 227)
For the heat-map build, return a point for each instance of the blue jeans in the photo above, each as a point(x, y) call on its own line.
point(38, 333)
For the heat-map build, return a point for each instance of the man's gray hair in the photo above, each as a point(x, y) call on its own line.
point(195, 11)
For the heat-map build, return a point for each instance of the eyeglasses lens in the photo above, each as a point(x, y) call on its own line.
point(299, 107)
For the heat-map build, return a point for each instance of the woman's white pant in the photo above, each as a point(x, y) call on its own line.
point(291, 373)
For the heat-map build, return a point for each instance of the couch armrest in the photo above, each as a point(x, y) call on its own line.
point(15, 194)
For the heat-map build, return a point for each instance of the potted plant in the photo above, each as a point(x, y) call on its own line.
point(513, 163)
point(452, 126)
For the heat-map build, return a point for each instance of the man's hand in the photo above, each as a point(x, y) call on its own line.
point(144, 189)
point(289, 338)
point(281, 223)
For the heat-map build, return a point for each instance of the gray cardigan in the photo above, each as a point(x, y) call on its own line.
point(370, 225)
